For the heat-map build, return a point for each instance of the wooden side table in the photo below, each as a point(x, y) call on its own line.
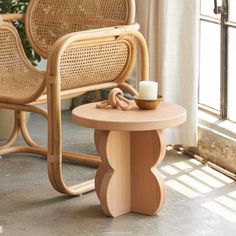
point(131, 146)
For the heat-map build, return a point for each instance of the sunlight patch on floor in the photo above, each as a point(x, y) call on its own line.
point(195, 162)
point(232, 194)
point(221, 210)
point(193, 183)
point(218, 175)
point(181, 188)
point(192, 178)
point(227, 202)
point(170, 170)
point(183, 165)
point(207, 179)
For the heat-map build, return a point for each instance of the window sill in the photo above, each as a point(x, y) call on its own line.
point(217, 141)
point(224, 128)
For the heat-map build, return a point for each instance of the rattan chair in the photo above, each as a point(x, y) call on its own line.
point(89, 45)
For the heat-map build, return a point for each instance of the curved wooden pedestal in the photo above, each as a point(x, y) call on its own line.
point(127, 180)
point(131, 146)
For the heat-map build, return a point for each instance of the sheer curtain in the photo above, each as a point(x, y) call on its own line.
point(171, 30)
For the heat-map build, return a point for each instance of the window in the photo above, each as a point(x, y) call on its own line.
point(217, 81)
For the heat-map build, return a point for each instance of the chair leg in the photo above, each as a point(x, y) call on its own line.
point(82, 159)
point(79, 158)
point(14, 134)
point(54, 168)
point(55, 154)
point(56, 176)
point(25, 132)
point(56, 179)
point(21, 127)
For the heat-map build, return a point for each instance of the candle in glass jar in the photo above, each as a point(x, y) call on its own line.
point(148, 90)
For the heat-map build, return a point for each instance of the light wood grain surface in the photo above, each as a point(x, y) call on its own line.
point(165, 116)
point(131, 146)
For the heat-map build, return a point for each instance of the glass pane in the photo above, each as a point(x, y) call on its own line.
point(232, 74)
point(232, 10)
point(209, 84)
point(207, 8)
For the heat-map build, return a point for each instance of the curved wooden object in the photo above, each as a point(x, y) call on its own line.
point(147, 152)
point(65, 52)
point(55, 167)
point(131, 147)
point(127, 180)
point(54, 95)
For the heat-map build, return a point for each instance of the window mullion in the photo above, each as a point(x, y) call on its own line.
point(224, 61)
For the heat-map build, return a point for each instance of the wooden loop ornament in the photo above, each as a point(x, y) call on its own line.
point(116, 100)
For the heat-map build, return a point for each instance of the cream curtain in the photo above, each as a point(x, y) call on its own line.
point(171, 30)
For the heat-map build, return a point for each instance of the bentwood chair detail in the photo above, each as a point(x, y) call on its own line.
point(89, 45)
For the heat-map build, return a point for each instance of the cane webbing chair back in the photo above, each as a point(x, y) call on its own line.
point(16, 71)
point(99, 62)
point(48, 20)
point(80, 58)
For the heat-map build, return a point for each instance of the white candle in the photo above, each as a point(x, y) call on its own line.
point(148, 90)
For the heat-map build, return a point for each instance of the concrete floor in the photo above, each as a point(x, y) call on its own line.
point(199, 200)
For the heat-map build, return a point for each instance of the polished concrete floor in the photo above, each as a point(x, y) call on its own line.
point(199, 200)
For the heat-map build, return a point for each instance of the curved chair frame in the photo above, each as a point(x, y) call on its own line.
point(52, 84)
point(55, 154)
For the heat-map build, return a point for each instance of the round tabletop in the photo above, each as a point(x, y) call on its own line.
point(165, 116)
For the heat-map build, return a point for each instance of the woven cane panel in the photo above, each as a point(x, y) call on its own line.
point(94, 64)
point(51, 19)
point(17, 80)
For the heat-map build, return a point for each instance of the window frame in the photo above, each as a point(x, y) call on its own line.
point(225, 24)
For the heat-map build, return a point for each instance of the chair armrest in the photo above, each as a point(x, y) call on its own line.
point(102, 32)
point(9, 17)
point(74, 39)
